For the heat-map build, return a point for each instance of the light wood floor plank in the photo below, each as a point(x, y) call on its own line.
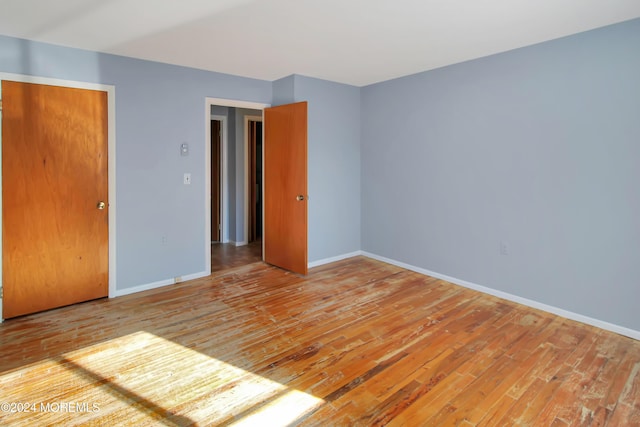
point(354, 343)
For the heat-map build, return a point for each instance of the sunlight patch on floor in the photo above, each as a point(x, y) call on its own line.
point(282, 411)
point(142, 377)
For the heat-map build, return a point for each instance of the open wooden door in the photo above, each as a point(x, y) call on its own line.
point(55, 229)
point(285, 187)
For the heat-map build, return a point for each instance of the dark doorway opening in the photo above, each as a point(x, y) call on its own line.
point(255, 181)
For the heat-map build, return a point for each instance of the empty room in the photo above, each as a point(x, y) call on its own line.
point(320, 213)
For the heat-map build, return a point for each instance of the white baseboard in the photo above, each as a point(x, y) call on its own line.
point(333, 259)
point(158, 284)
point(514, 298)
point(243, 243)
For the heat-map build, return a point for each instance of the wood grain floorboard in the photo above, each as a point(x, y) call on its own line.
point(354, 343)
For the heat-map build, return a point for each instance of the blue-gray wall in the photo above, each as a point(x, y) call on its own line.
point(158, 107)
point(160, 229)
point(284, 91)
point(333, 137)
point(538, 148)
point(334, 166)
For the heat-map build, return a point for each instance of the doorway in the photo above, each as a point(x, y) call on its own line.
point(290, 121)
point(241, 242)
point(233, 238)
point(253, 153)
point(216, 175)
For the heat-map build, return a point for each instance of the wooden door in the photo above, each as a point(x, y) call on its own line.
point(55, 234)
point(215, 181)
point(285, 187)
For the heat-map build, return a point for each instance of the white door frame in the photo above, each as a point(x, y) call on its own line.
point(111, 144)
point(208, 103)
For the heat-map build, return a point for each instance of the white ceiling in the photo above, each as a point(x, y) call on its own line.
point(358, 42)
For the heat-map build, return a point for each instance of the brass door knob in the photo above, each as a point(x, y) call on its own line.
point(101, 205)
point(300, 198)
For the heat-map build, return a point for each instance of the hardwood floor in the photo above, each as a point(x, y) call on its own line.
point(357, 342)
point(227, 255)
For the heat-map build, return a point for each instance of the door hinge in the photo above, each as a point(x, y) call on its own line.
point(1, 293)
point(0, 104)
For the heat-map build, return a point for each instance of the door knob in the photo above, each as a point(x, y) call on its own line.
point(101, 205)
point(300, 198)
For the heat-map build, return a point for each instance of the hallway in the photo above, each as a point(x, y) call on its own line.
point(227, 255)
